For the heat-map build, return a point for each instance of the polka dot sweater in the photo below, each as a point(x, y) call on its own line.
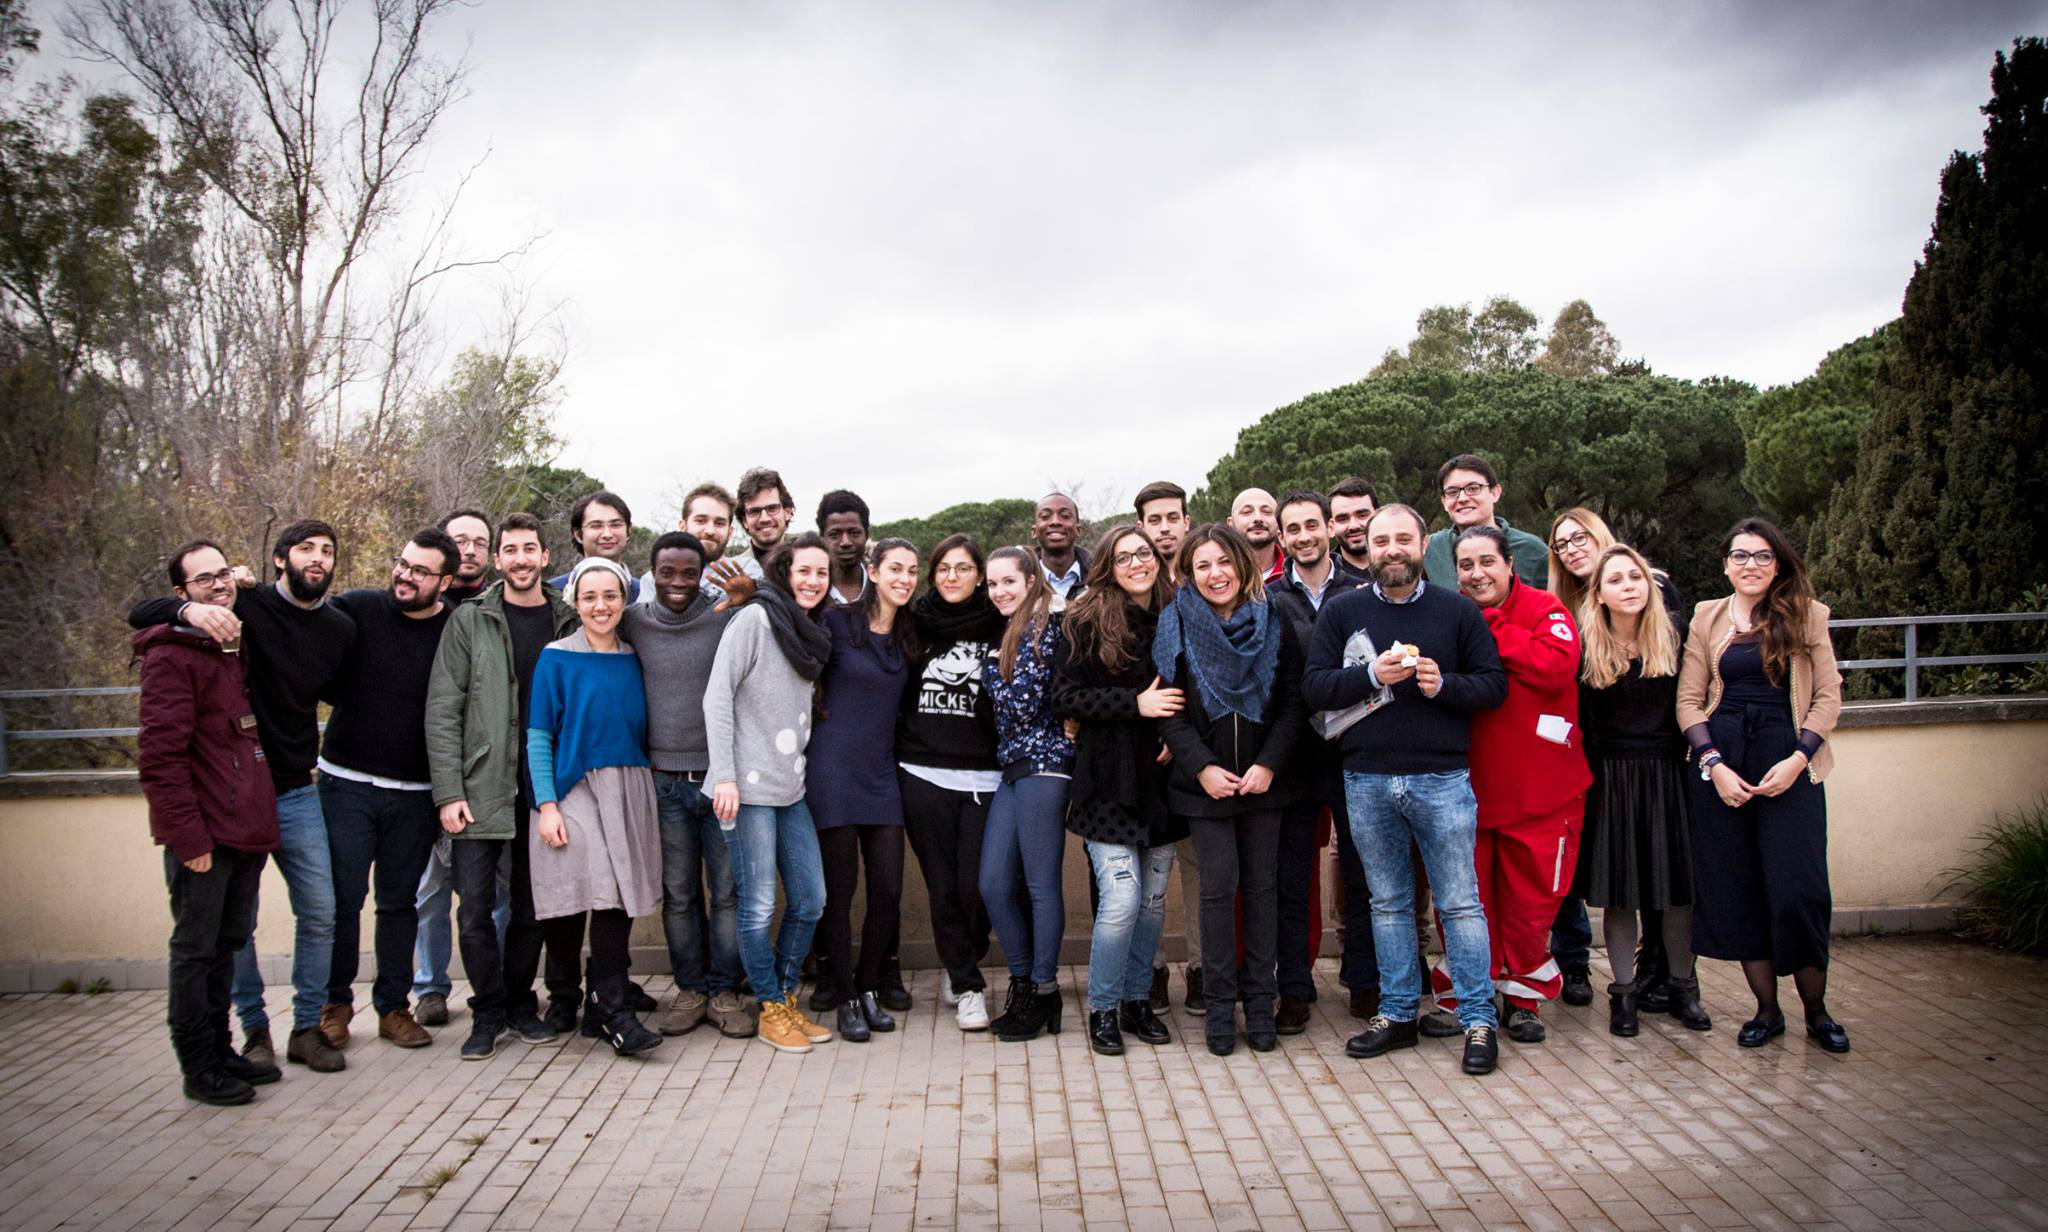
point(757, 715)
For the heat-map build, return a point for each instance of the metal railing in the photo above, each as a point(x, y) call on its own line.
point(1911, 661)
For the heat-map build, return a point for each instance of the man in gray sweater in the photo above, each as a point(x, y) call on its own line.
point(675, 634)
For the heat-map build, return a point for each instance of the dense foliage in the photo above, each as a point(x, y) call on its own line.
point(1802, 438)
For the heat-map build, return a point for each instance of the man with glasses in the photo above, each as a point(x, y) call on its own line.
point(601, 525)
point(1470, 491)
point(471, 531)
point(765, 510)
point(213, 810)
point(376, 783)
point(293, 643)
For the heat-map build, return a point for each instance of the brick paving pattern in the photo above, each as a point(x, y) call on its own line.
point(1937, 1120)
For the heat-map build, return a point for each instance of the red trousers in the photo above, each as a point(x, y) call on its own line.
point(1525, 870)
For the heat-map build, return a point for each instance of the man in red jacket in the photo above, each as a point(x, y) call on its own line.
point(1529, 772)
point(213, 809)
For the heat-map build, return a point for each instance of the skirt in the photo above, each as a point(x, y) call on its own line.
point(1636, 849)
point(613, 858)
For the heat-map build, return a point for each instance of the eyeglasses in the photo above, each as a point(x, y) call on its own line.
point(762, 511)
point(1740, 558)
point(222, 578)
point(946, 571)
point(614, 524)
point(1142, 556)
point(472, 541)
point(1577, 539)
point(1462, 490)
point(418, 573)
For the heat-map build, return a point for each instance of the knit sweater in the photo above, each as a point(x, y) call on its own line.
point(589, 712)
point(676, 651)
point(380, 696)
point(1415, 734)
point(757, 715)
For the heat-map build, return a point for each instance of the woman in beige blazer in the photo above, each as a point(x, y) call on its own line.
point(1758, 696)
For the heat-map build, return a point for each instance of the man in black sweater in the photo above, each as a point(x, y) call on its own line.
point(376, 786)
point(293, 643)
point(1406, 664)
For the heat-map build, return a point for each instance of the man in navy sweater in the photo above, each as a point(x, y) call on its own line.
point(1417, 660)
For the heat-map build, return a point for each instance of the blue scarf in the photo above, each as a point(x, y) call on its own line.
point(1233, 662)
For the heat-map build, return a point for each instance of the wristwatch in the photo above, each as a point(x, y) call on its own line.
point(1707, 763)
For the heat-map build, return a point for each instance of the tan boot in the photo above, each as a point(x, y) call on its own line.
point(334, 1019)
point(733, 1015)
point(814, 1032)
point(398, 1027)
point(685, 1014)
point(779, 1030)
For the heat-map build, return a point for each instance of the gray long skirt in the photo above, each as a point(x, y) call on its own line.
point(613, 860)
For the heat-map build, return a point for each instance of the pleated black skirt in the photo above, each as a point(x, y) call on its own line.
point(1636, 849)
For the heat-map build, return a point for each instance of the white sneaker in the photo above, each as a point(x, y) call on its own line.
point(972, 1011)
point(946, 993)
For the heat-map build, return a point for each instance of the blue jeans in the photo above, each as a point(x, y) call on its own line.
point(1438, 814)
point(308, 871)
point(763, 841)
point(1571, 936)
point(692, 856)
point(431, 949)
point(1128, 921)
point(1027, 834)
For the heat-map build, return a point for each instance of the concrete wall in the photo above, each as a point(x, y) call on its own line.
point(82, 889)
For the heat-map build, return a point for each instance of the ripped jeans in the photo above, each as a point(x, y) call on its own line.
point(1131, 883)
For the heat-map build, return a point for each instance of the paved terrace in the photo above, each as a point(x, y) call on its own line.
point(1938, 1120)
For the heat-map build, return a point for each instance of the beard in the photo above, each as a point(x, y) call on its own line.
point(1393, 572)
point(304, 590)
point(421, 600)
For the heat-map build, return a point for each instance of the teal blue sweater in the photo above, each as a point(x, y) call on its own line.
point(589, 711)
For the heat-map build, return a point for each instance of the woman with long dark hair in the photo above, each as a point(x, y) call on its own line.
point(946, 752)
point(757, 722)
point(1239, 669)
point(1104, 678)
point(1026, 838)
point(1758, 696)
point(852, 790)
point(1635, 855)
point(596, 846)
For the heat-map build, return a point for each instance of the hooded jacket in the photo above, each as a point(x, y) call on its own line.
point(202, 766)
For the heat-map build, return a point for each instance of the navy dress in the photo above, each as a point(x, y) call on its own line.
point(850, 778)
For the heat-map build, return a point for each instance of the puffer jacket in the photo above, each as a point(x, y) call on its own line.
point(201, 764)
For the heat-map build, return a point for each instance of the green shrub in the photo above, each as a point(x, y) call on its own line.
point(2006, 890)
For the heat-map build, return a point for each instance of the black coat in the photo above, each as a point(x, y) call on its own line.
point(1119, 789)
point(1310, 750)
point(1235, 742)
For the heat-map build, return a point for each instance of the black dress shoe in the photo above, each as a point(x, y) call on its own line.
point(878, 1019)
point(1262, 1041)
point(1138, 1018)
point(1482, 1050)
point(1828, 1034)
point(1621, 1010)
point(1578, 985)
point(1760, 1031)
point(256, 1075)
point(1223, 1045)
point(1524, 1027)
point(218, 1087)
point(892, 994)
point(1292, 1017)
point(1441, 1024)
point(1194, 1002)
point(853, 1022)
point(1103, 1035)
point(1685, 1004)
point(1382, 1034)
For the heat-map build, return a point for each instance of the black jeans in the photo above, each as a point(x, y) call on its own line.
point(1298, 870)
point(391, 832)
point(500, 983)
point(1238, 856)
point(846, 849)
point(1359, 969)
point(945, 830)
point(212, 915)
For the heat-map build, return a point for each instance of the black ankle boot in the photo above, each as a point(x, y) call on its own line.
point(1103, 1034)
point(618, 1025)
point(1019, 1003)
point(1653, 980)
point(893, 994)
point(1138, 1018)
point(853, 1022)
point(1685, 1004)
point(822, 998)
point(1621, 1010)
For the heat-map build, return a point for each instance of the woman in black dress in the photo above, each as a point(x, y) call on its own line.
point(1636, 852)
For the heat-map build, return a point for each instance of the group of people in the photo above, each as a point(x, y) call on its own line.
point(1501, 731)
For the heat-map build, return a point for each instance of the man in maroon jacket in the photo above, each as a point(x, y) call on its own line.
point(213, 809)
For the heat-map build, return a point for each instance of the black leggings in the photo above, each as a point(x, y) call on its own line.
point(611, 930)
point(845, 850)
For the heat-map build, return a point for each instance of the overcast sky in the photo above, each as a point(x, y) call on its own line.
point(952, 251)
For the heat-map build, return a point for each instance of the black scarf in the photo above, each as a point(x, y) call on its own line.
point(974, 619)
point(803, 640)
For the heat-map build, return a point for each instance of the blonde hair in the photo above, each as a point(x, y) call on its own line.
point(1568, 588)
point(1607, 658)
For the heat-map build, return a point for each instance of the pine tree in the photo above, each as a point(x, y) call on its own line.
point(1948, 508)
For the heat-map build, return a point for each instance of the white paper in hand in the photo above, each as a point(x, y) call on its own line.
point(1330, 724)
point(1555, 728)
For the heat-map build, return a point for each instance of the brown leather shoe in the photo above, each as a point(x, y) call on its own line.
point(398, 1027)
point(334, 1019)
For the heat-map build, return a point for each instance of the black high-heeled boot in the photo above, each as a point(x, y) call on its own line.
point(1621, 1010)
